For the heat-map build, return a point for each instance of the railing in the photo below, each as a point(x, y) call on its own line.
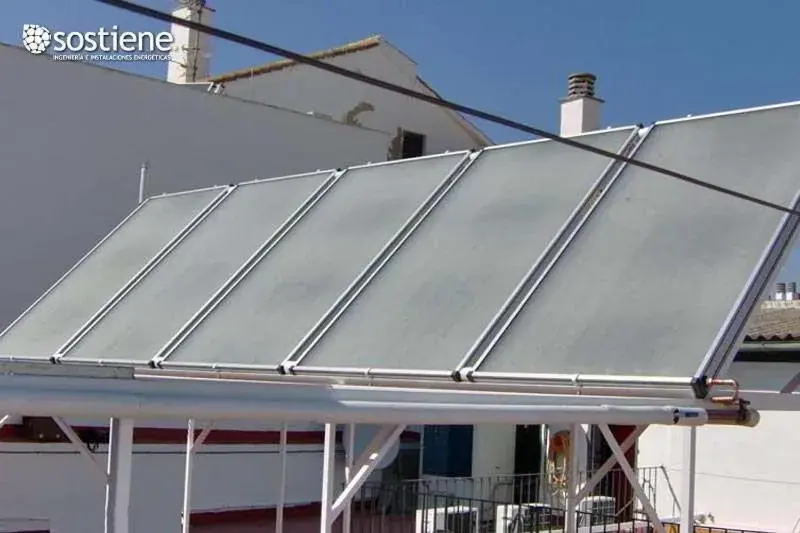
point(499, 504)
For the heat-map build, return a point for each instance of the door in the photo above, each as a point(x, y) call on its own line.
point(527, 463)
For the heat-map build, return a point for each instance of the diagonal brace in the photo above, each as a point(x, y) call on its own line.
point(81, 447)
point(792, 386)
point(601, 472)
point(366, 464)
point(637, 487)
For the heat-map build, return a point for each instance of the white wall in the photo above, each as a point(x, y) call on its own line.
point(746, 477)
point(307, 89)
point(50, 481)
point(74, 137)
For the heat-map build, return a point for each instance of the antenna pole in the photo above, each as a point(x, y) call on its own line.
point(142, 179)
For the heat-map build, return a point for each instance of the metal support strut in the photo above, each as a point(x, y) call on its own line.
point(192, 445)
point(118, 484)
point(632, 479)
point(282, 497)
point(364, 466)
point(687, 481)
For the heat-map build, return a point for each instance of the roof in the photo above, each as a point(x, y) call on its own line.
point(458, 268)
point(274, 66)
point(774, 324)
point(367, 43)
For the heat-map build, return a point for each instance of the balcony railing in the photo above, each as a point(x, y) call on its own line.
point(500, 504)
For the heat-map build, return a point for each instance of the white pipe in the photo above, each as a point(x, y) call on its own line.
point(43, 402)
point(282, 495)
point(4, 420)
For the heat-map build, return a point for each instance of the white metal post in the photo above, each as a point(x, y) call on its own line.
point(328, 480)
point(348, 474)
point(186, 514)
point(282, 497)
point(687, 483)
point(118, 484)
point(142, 179)
point(573, 483)
point(192, 445)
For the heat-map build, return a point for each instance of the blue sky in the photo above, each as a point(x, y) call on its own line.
point(654, 60)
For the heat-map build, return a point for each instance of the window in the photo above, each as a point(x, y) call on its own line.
point(412, 145)
point(447, 451)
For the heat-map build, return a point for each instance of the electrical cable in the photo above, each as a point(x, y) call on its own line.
point(437, 101)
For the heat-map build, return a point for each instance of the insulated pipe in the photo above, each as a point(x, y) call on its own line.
point(43, 402)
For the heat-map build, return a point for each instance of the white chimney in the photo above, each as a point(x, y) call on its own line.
point(190, 48)
point(580, 110)
point(780, 291)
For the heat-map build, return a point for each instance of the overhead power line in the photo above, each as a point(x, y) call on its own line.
point(466, 110)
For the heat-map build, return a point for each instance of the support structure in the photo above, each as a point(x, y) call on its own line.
point(192, 445)
point(688, 479)
point(357, 475)
point(573, 481)
point(81, 448)
point(118, 485)
point(606, 467)
point(632, 479)
point(282, 496)
point(326, 519)
point(348, 475)
point(366, 464)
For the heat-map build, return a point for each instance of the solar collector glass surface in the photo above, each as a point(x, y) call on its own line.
point(270, 312)
point(648, 284)
point(107, 269)
point(180, 284)
point(431, 302)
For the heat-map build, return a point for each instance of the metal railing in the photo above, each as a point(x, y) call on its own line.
point(499, 504)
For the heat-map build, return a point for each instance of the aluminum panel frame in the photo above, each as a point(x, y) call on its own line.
point(251, 263)
point(718, 358)
point(299, 367)
point(450, 163)
point(141, 274)
point(222, 242)
point(203, 200)
point(722, 353)
point(372, 270)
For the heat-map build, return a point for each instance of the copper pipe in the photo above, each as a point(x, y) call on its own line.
point(725, 400)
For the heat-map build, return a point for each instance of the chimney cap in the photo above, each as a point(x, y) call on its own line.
point(581, 85)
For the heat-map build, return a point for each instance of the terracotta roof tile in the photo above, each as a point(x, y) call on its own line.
point(364, 44)
point(774, 324)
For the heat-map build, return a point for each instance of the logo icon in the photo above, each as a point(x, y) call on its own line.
point(35, 38)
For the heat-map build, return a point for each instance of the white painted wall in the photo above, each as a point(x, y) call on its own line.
point(74, 136)
point(308, 89)
point(52, 482)
point(745, 477)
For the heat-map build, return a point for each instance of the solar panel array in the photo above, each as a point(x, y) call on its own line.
point(520, 262)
